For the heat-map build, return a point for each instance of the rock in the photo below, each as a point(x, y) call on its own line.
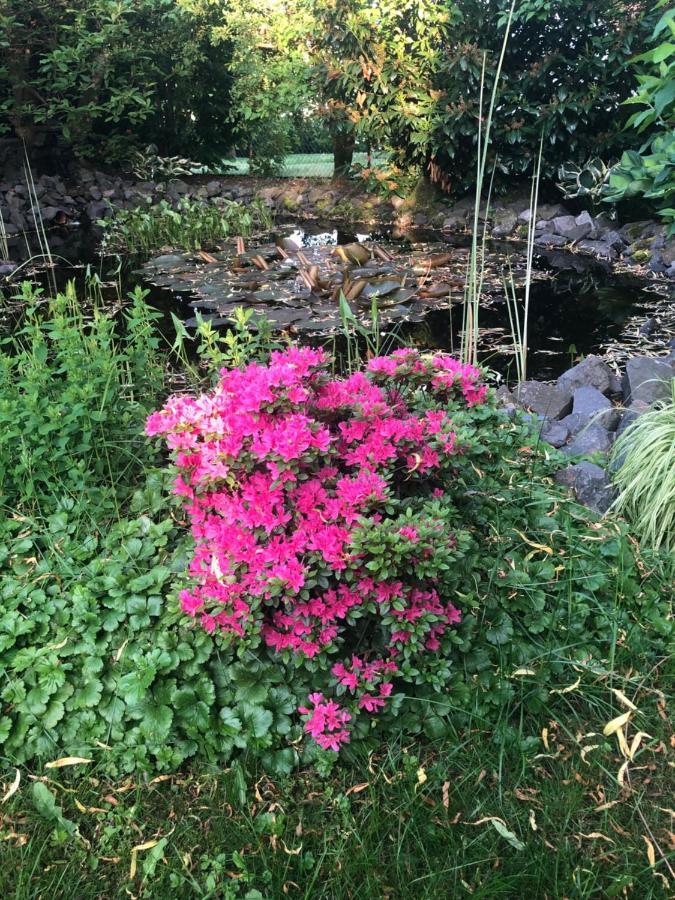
point(594, 438)
point(599, 249)
point(648, 326)
point(613, 239)
point(454, 221)
point(590, 483)
point(574, 423)
point(555, 434)
point(591, 403)
point(420, 219)
point(543, 398)
point(647, 380)
point(571, 228)
point(212, 188)
point(550, 240)
point(506, 398)
point(668, 253)
point(505, 222)
point(615, 385)
point(630, 414)
point(49, 213)
point(590, 372)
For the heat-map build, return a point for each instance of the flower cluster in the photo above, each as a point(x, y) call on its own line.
point(285, 472)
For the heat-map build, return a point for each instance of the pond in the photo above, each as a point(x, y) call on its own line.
point(415, 278)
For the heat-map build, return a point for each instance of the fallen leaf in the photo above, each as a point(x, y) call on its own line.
point(586, 750)
point(421, 775)
point(13, 788)
point(568, 689)
point(291, 852)
point(357, 788)
point(621, 774)
point(616, 723)
point(67, 761)
point(621, 697)
point(445, 793)
point(533, 821)
point(148, 845)
point(521, 672)
point(544, 738)
point(596, 836)
point(651, 854)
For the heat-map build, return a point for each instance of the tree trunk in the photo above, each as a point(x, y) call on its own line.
point(343, 151)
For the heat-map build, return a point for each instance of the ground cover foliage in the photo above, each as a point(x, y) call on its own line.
point(98, 663)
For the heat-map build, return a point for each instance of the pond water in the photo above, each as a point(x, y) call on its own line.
point(577, 305)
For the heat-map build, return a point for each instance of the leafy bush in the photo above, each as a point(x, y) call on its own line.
point(365, 534)
point(585, 182)
point(644, 455)
point(564, 73)
point(106, 76)
point(189, 224)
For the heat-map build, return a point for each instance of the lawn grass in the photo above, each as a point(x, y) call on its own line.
point(301, 165)
point(508, 813)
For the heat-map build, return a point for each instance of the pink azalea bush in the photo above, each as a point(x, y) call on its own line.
point(321, 534)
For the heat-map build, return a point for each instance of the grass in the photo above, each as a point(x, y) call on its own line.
point(527, 814)
point(302, 165)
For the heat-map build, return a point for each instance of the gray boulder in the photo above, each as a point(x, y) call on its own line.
point(647, 380)
point(505, 222)
point(555, 433)
point(573, 228)
point(599, 249)
point(574, 423)
point(590, 372)
point(594, 438)
point(595, 407)
point(547, 239)
point(590, 483)
point(543, 398)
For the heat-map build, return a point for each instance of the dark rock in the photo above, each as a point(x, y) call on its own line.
point(591, 403)
point(49, 213)
point(95, 192)
point(7, 268)
point(648, 326)
point(590, 372)
point(613, 239)
point(647, 379)
point(555, 433)
point(630, 414)
point(574, 423)
point(571, 228)
point(615, 385)
point(550, 240)
point(505, 222)
point(599, 249)
point(594, 438)
point(212, 188)
point(543, 398)
point(590, 483)
point(420, 219)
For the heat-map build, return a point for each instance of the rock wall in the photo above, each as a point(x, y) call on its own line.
point(88, 195)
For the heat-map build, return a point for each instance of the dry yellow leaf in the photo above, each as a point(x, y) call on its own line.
point(616, 723)
point(421, 775)
point(568, 689)
point(13, 788)
point(651, 854)
point(67, 761)
point(621, 774)
point(520, 672)
point(533, 821)
point(637, 740)
point(544, 737)
point(148, 845)
point(621, 697)
point(356, 788)
point(586, 750)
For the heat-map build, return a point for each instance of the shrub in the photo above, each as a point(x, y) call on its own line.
point(365, 533)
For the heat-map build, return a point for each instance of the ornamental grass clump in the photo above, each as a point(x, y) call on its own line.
point(317, 510)
point(645, 477)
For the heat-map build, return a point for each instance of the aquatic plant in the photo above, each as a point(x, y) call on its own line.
point(191, 224)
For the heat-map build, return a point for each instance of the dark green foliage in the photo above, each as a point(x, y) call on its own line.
point(566, 72)
point(111, 75)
